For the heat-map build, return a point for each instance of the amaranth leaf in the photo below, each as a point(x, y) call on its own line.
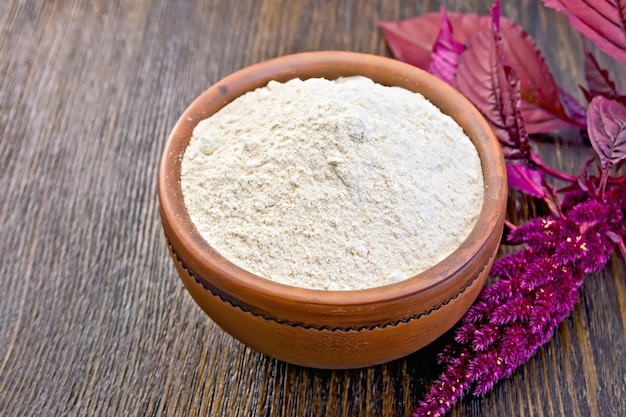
point(527, 180)
point(413, 41)
point(601, 21)
point(606, 125)
point(494, 88)
point(542, 107)
point(575, 110)
point(599, 82)
point(446, 51)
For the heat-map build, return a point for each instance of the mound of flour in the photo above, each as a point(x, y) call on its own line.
point(335, 185)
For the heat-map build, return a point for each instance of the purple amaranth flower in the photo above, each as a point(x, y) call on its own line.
point(536, 289)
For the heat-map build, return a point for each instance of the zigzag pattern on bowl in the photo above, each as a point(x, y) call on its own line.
point(264, 316)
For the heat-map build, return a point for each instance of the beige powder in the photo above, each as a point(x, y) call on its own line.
point(334, 185)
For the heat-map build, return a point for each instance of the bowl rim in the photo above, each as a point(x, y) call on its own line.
point(234, 282)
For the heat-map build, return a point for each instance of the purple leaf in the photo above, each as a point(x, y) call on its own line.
point(410, 40)
point(413, 41)
point(527, 180)
point(601, 21)
point(542, 107)
point(585, 183)
point(540, 120)
point(599, 81)
point(494, 89)
point(496, 16)
point(606, 120)
point(574, 109)
point(446, 51)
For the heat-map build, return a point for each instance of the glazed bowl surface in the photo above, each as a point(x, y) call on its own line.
point(333, 329)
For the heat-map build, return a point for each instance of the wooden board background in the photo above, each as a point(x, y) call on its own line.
point(93, 319)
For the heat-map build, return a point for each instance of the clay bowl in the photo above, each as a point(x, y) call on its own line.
point(333, 329)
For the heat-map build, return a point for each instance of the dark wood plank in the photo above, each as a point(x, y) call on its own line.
point(93, 319)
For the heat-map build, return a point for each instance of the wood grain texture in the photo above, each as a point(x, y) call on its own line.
point(94, 320)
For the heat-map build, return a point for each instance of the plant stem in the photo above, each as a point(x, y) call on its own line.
point(551, 171)
point(604, 177)
point(509, 225)
point(622, 247)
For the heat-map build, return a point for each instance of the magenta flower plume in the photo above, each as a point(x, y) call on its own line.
point(536, 289)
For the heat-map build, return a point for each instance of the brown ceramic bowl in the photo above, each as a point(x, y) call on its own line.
point(333, 329)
